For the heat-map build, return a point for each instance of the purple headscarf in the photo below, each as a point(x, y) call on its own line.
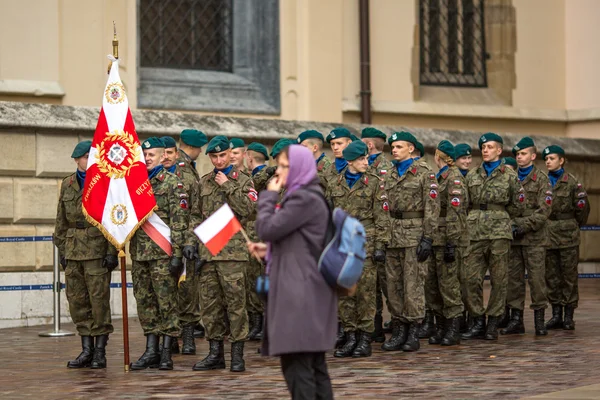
point(303, 169)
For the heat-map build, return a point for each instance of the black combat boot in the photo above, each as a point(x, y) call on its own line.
point(538, 318)
point(452, 334)
point(99, 359)
point(341, 336)
point(569, 323)
point(188, 344)
point(477, 329)
point(387, 327)
point(515, 325)
point(412, 340)
point(255, 332)
point(215, 358)
point(378, 336)
point(427, 328)
point(440, 325)
point(348, 348)
point(398, 338)
point(166, 363)
point(491, 331)
point(556, 322)
point(151, 357)
point(84, 359)
point(464, 322)
point(174, 345)
point(199, 331)
point(363, 348)
point(505, 319)
point(237, 357)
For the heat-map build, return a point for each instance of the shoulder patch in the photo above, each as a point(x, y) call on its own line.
point(383, 172)
point(234, 175)
point(320, 167)
point(179, 185)
point(503, 168)
point(161, 177)
point(432, 177)
point(433, 186)
point(455, 202)
point(385, 206)
point(433, 193)
point(457, 182)
point(366, 180)
point(548, 200)
point(183, 203)
point(581, 204)
point(182, 164)
point(581, 194)
point(253, 195)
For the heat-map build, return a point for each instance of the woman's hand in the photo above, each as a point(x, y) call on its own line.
point(274, 184)
point(258, 250)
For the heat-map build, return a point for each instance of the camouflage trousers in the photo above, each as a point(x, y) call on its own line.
point(222, 287)
point(562, 276)
point(381, 288)
point(480, 256)
point(406, 284)
point(155, 291)
point(357, 312)
point(88, 293)
point(532, 259)
point(188, 304)
point(253, 270)
point(442, 285)
point(430, 282)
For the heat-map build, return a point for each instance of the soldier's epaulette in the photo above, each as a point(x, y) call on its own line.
point(503, 168)
point(414, 170)
point(365, 179)
point(320, 167)
point(565, 177)
point(445, 174)
point(534, 177)
point(161, 176)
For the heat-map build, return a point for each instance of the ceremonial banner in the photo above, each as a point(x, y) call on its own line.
point(218, 229)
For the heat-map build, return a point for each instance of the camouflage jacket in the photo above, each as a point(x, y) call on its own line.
point(500, 190)
point(76, 238)
point(365, 202)
point(415, 191)
point(454, 203)
point(172, 202)
point(260, 179)
point(188, 175)
point(570, 210)
point(381, 166)
point(238, 192)
point(327, 174)
point(322, 166)
point(538, 206)
point(423, 163)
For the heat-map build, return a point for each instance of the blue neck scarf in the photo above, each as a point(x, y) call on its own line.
point(258, 169)
point(351, 178)
point(172, 168)
point(226, 171)
point(523, 172)
point(554, 176)
point(491, 166)
point(464, 172)
point(417, 158)
point(441, 171)
point(373, 157)
point(320, 158)
point(154, 171)
point(340, 164)
point(80, 179)
point(402, 166)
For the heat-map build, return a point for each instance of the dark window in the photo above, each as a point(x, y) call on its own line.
point(452, 43)
point(186, 34)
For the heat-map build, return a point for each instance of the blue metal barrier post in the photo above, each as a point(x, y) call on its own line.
point(57, 332)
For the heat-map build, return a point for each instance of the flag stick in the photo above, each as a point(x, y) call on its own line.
point(248, 240)
point(125, 313)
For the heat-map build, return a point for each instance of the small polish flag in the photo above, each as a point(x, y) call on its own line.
point(218, 229)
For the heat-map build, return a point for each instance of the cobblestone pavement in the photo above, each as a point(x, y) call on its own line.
point(514, 367)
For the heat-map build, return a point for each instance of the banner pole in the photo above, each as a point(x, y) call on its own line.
point(125, 312)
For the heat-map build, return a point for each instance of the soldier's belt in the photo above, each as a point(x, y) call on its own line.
point(561, 216)
point(407, 214)
point(79, 224)
point(489, 207)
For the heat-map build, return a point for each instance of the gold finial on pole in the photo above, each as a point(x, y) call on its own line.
point(115, 44)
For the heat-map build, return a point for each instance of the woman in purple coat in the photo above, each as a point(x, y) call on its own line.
point(301, 313)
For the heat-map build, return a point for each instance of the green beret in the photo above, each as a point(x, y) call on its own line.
point(354, 138)
point(237, 143)
point(371, 132)
point(420, 148)
point(81, 149)
point(153, 143)
point(339, 132)
point(461, 150)
point(259, 148)
point(169, 142)
point(524, 143)
point(490, 137)
point(310, 134)
point(447, 148)
point(218, 144)
point(553, 149)
point(280, 145)
point(403, 136)
point(355, 150)
point(510, 161)
point(193, 137)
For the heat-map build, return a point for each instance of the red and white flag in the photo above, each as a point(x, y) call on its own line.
point(218, 229)
point(117, 195)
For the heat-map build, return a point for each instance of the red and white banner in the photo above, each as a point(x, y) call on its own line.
point(117, 195)
point(218, 229)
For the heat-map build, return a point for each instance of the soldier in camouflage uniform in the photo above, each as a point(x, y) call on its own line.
point(313, 140)
point(154, 271)
point(530, 239)
point(238, 154)
point(88, 259)
point(338, 139)
point(496, 197)
point(462, 152)
point(361, 194)
point(414, 208)
point(222, 281)
point(450, 241)
point(570, 210)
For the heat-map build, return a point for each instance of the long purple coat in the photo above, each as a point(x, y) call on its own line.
point(301, 313)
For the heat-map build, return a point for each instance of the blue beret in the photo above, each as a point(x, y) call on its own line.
point(355, 150)
point(461, 150)
point(218, 144)
point(403, 136)
point(371, 132)
point(153, 143)
point(280, 145)
point(447, 148)
point(553, 149)
point(169, 142)
point(259, 148)
point(524, 143)
point(310, 134)
point(237, 143)
point(193, 137)
point(490, 137)
point(81, 149)
point(339, 132)
point(510, 161)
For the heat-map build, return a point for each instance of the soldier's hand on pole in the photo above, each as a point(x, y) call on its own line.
point(63, 262)
point(450, 252)
point(175, 266)
point(198, 267)
point(110, 262)
point(424, 249)
point(190, 252)
point(379, 256)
